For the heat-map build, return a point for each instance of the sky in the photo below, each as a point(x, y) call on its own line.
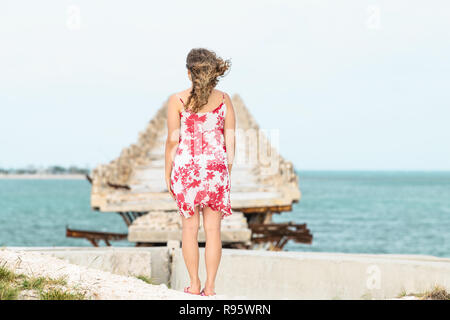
point(350, 85)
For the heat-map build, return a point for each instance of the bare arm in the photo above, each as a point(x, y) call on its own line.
point(173, 136)
point(230, 132)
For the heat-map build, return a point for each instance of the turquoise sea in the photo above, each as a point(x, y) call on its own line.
point(355, 212)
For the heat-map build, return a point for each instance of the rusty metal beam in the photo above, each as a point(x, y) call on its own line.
point(95, 236)
point(130, 217)
point(118, 186)
point(280, 233)
point(135, 215)
point(274, 209)
point(125, 218)
point(94, 242)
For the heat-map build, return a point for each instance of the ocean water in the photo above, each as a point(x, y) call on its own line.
point(36, 212)
point(374, 212)
point(354, 212)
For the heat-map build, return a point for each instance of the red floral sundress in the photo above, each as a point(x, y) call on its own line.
point(200, 174)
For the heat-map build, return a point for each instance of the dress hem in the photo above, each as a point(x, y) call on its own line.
point(224, 212)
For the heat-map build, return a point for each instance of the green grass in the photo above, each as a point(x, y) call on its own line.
point(145, 278)
point(8, 292)
point(6, 275)
point(33, 283)
point(366, 296)
point(402, 294)
point(59, 294)
point(436, 293)
point(12, 284)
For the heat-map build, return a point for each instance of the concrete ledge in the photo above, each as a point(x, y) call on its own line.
point(130, 261)
point(299, 275)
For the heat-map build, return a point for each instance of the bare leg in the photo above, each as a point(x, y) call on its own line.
point(189, 246)
point(213, 246)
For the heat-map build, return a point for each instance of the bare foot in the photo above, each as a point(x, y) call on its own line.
point(208, 291)
point(195, 286)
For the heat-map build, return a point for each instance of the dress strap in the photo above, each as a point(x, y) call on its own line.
point(180, 99)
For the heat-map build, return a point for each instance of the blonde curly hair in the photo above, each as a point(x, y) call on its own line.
point(206, 68)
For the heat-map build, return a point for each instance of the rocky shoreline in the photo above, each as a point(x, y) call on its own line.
point(94, 284)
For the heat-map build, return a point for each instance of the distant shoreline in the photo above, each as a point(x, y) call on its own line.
point(43, 176)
